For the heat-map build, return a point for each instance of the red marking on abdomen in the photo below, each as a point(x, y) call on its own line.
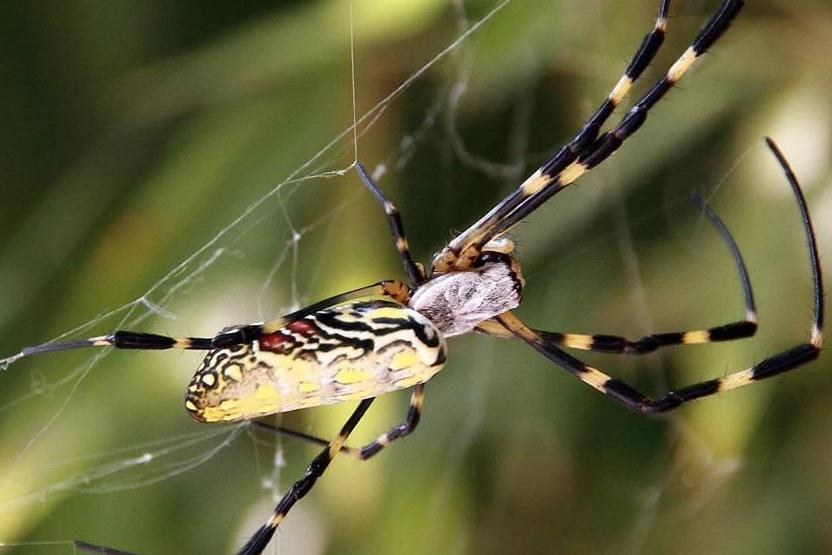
point(277, 341)
point(274, 341)
point(302, 327)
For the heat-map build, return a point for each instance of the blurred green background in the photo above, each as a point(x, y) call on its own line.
point(177, 167)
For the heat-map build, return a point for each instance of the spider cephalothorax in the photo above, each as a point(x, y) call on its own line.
point(456, 302)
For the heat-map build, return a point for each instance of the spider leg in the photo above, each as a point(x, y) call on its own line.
point(588, 134)
point(645, 54)
point(282, 430)
point(261, 538)
point(617, 344)
point(393, 289)
point(811, 241)
point(414, 413)
point(240, 335)
point(413, 271)
point(543, 184)
point(777, 364)
point(649, 343)
point(713, 29)
point(632, 398)
point(568, 165)
point(299, 489)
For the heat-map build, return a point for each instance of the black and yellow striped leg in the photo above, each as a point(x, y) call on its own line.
point(414, 272)
point(299, 489)
point(781, 362)
point(237, 335)
point(143, 341)
point(648, 49)
point(727, 332)
point(649, 343)
point(309, 438)
point(617, 344)
point(637, 115)
point(544, 183)
point(414, 413)
point(632, 398)
point(587, 135)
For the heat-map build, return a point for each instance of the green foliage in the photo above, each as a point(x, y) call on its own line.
point(164, 159)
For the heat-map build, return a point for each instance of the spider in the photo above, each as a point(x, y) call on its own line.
point(391, 335)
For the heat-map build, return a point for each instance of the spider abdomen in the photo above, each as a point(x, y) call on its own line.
point(348, 352)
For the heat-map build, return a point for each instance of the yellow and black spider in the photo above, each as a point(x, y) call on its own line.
point(392, 335)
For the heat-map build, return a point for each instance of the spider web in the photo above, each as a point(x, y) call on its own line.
point(288, 247)
point(142, 464)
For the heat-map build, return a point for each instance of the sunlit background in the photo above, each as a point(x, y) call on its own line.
point(178, 167)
